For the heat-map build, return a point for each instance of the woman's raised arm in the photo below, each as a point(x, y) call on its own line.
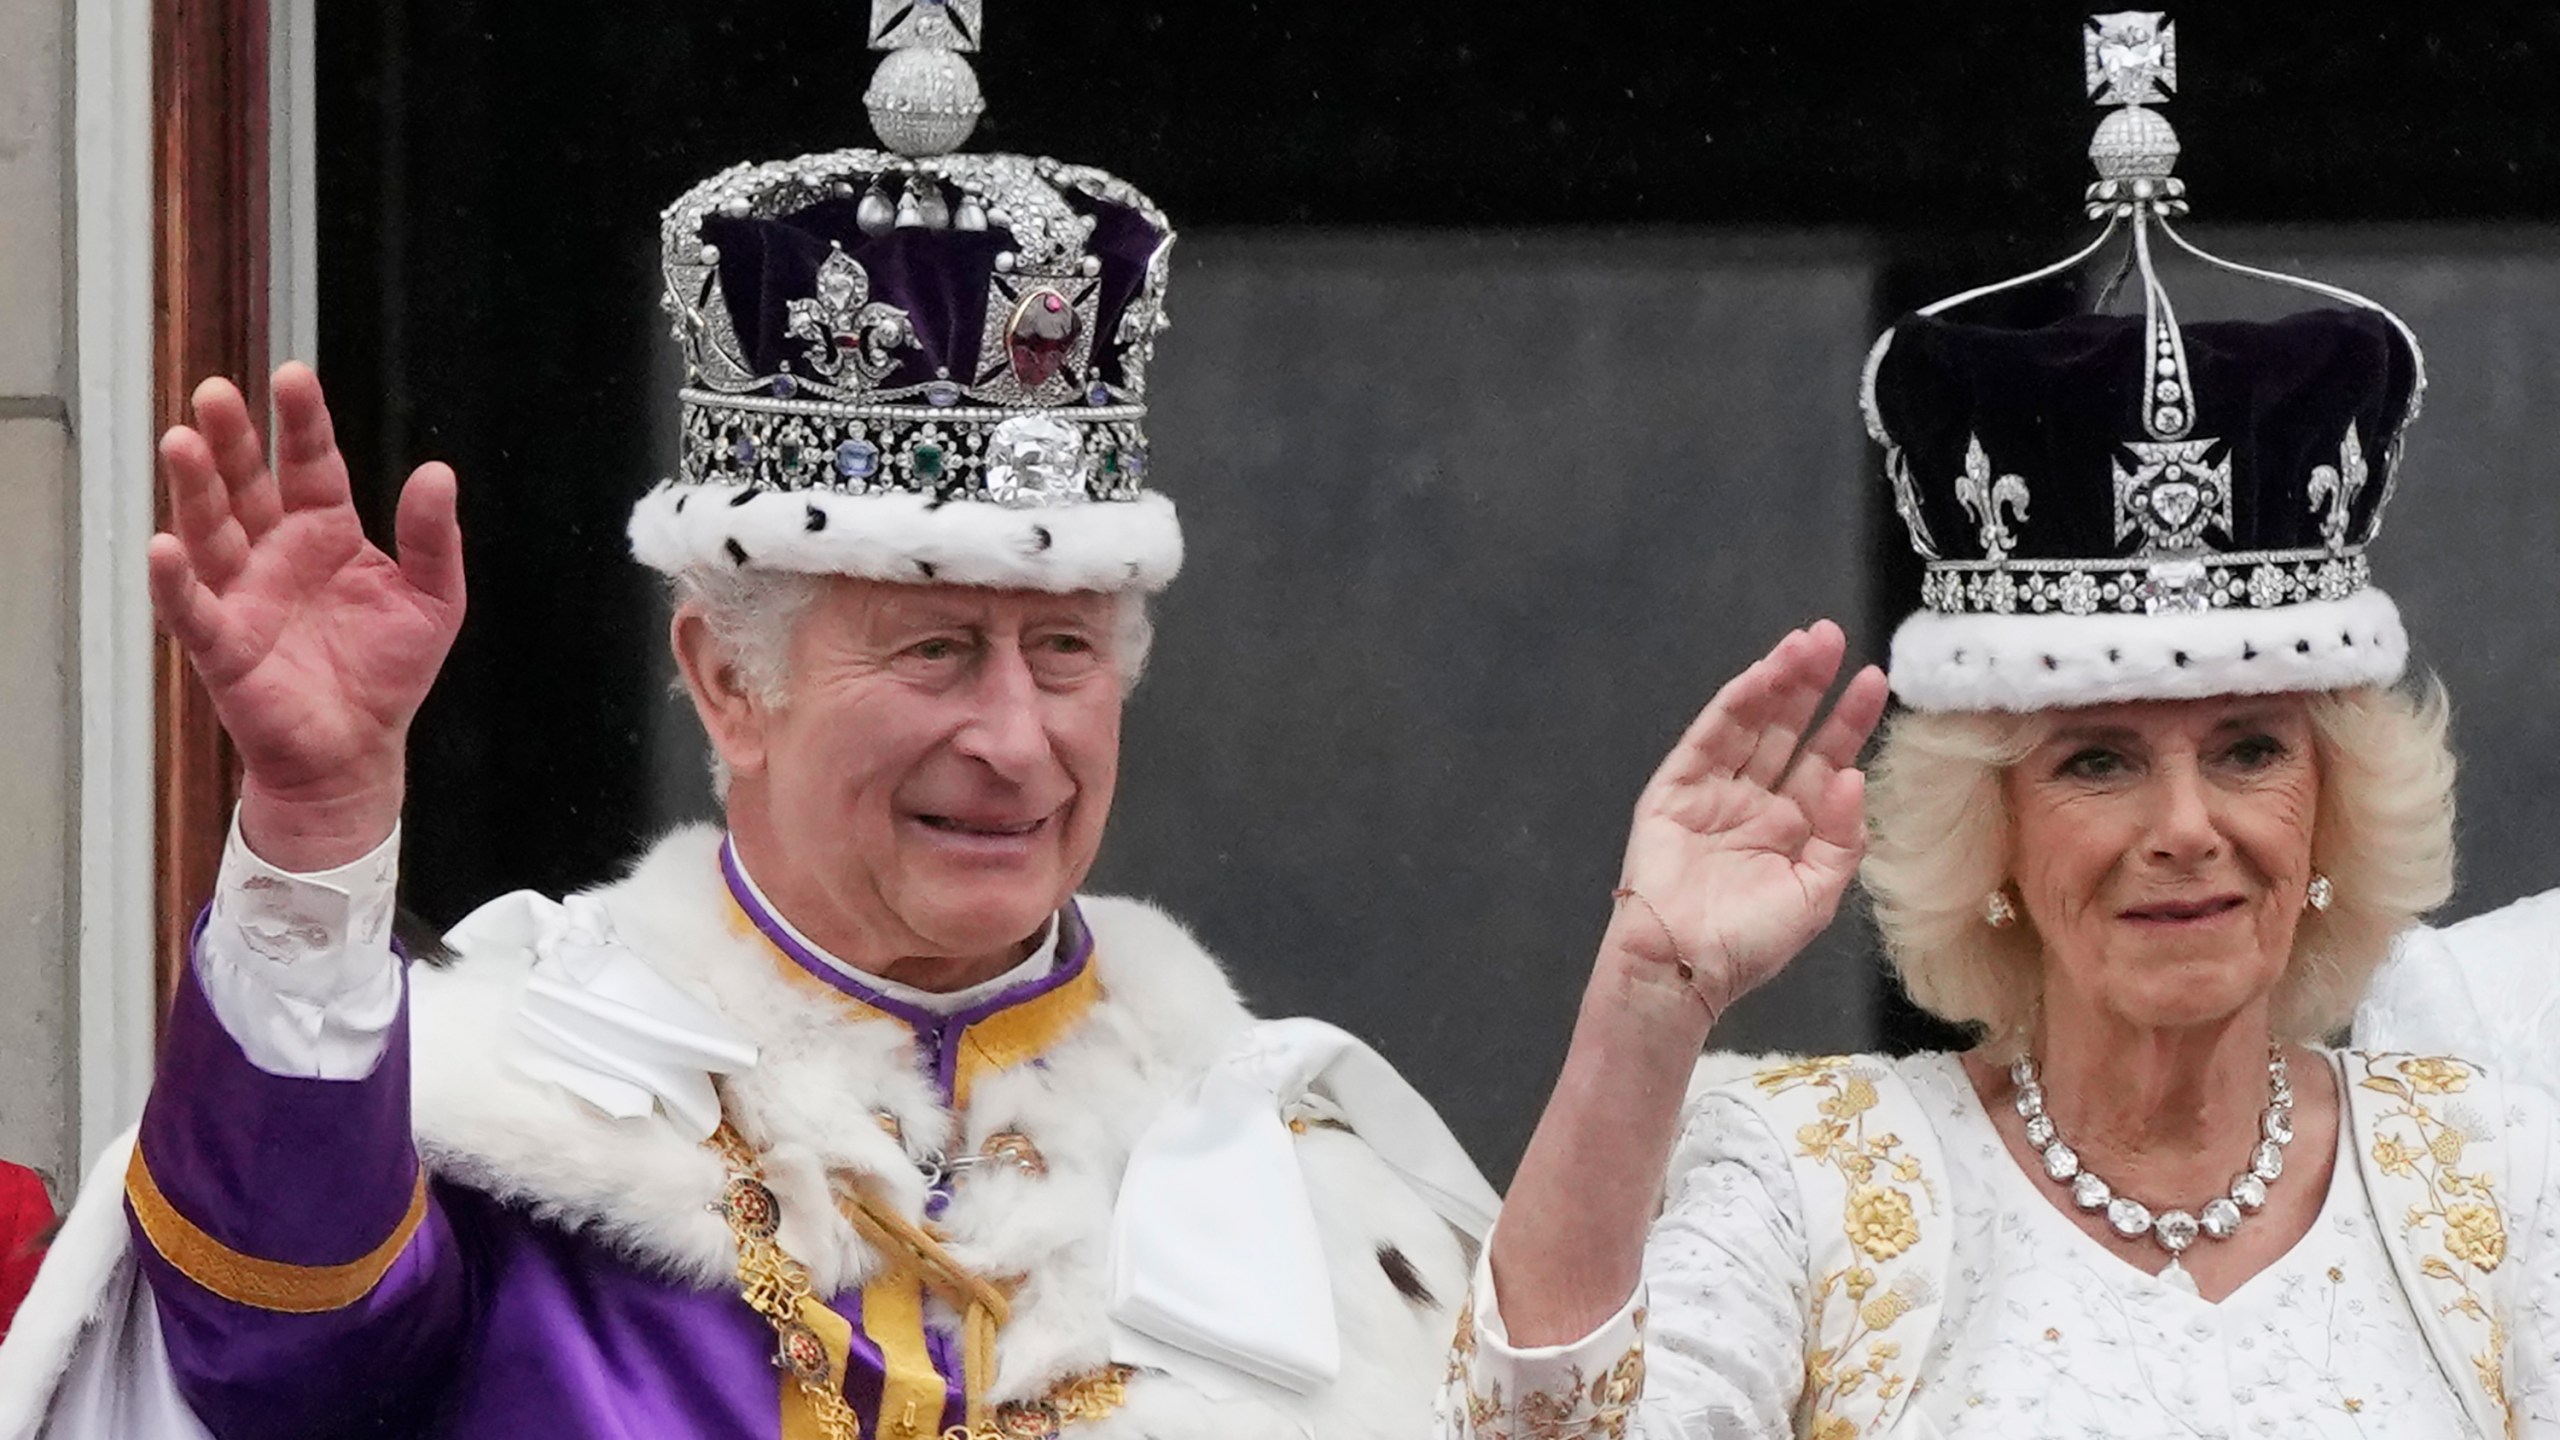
point(1740, 849)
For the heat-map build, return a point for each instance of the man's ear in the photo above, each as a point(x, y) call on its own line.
point(732, 714)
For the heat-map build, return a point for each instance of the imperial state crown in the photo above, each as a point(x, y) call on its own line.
point(914, 363)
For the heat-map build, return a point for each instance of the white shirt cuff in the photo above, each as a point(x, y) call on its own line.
point(1587, 1387)
point(299, 968)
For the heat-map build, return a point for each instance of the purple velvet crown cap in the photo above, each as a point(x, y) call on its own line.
point(940, 278)
point(2060, 406)
point(913, 364)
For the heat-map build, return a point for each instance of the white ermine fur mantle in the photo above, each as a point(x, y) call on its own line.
point(1166, 1013)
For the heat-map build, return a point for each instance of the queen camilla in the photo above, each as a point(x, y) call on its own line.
point(2156, 808)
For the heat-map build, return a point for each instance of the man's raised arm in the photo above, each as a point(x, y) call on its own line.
point(306, 1282)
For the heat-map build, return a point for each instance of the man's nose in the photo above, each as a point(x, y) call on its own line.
point(1004, 727)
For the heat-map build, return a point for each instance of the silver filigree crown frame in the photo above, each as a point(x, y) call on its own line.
point(2173, 488)
point(1031, 421)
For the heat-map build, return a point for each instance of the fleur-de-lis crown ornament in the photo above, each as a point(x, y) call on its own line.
point(912, 362)
point(2131, 506)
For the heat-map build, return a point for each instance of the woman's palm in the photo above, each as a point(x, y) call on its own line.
point(1748, 835)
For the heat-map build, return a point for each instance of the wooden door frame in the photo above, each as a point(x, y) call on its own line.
point(211, 276)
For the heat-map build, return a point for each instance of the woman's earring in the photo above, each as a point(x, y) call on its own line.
point(1998, 912)
point(2321, 894)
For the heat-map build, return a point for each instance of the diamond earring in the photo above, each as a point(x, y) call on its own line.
point(2320, 894)
point(1998, 912)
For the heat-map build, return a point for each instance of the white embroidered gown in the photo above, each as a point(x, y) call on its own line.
point(2044, 1332)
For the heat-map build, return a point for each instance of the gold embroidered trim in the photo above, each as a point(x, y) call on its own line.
point(1581, 1409)
point(274, 1285)
point(2456, 1209)
point(1881, 1222)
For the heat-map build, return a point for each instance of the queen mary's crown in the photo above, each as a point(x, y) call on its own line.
point(2128, 506)
point(913, 363)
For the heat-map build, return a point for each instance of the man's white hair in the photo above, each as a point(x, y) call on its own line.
point(752, 613)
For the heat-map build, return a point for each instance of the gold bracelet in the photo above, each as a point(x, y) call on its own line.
point(1680, 965)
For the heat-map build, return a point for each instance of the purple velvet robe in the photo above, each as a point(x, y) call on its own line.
point(382, 1303)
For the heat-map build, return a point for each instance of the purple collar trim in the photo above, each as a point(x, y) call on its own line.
point(941, 1032)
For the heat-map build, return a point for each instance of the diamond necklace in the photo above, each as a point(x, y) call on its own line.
point(2174, 1230)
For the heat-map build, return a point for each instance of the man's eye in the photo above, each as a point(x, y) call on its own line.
point(1070, 645)
point(939, 648)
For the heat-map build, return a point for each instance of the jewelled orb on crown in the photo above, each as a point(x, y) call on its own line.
point(2132, 506)
point(915, 363)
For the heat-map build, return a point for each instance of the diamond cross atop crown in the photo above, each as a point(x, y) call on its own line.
point(2131, 57)
point(926, 24)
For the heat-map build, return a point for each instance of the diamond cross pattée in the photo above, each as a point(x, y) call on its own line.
point(2130, 57)
point(926, 24)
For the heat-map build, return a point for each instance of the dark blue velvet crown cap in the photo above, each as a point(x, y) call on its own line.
point(2057, 405)
point(938, 276)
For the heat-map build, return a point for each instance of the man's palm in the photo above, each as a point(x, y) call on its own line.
point(316, 647)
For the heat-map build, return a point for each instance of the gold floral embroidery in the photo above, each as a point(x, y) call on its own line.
point(2394, 1157)
point(1617, 1391)
point(2476, 1234)
point(1881, 1220)
point(1462, 1349)
point(2493, 1369)
point(2461, 1204)
point(1594, 1409)
point(2435, 1077)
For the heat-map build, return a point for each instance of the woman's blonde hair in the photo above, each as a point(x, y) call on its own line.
point(1938, 846)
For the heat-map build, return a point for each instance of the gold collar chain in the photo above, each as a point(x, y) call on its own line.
point(1081, 1397)
point(777, 1287)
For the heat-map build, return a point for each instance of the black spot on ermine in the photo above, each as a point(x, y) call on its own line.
point(1407, 1280)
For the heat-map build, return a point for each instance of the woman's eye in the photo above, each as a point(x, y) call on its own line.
point(2256, 752)
point(1070, 645)
point(938, 648)
point(2093, 764)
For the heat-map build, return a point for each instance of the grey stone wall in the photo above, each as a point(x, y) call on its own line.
point(1475, 525)
point(38, 638)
